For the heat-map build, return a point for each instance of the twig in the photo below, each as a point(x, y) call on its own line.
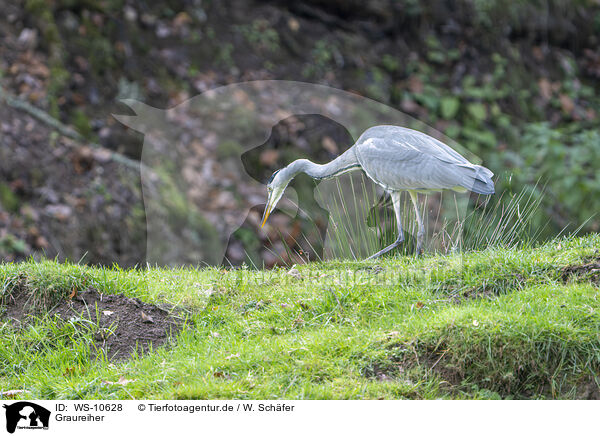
point(437, 361)
point(336, 297)
point(63, 129)
point(289, 386)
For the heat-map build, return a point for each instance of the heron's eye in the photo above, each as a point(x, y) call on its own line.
point(273, 176)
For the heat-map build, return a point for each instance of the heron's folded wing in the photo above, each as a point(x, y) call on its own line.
point(398, 164)
point(397, 137)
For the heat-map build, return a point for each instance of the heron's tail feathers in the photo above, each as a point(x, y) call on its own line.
point(482, 173)
point(481, 187)
point(478, 179)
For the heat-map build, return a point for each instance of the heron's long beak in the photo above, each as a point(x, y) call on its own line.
point(268, 209)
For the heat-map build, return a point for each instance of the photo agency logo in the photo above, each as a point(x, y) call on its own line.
point(25, 415)
point(206, 164)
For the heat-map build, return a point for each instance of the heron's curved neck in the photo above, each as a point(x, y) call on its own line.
point(343, 163)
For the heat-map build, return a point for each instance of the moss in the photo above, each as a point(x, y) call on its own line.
point(43, 14)
point(260, 35)
point(42, 10)
point(8, 199)
point(183, 215)
point(82, 123)
point(229, 149)
point(12, 245)
point(224, 55)
point(390, 63)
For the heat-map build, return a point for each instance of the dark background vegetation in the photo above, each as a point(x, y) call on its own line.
point(514, 82)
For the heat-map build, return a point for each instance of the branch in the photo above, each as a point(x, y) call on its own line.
point(63, 129)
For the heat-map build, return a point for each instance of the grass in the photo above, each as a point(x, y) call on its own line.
point(498, 323)
point(362, 221)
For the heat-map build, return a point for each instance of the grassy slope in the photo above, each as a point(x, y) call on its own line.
point(497, 323)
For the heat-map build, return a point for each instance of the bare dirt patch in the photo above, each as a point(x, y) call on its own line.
point(587, 271)
point(406, 357)
point(121, 325)
point(436, 361)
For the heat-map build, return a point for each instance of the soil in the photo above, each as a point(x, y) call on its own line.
point(125, 324)
point(590, 270)
point(435, 360)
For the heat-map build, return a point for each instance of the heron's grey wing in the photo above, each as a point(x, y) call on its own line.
point(419, 141)
point(443, 152)
point(398, 164)
point(395, 165)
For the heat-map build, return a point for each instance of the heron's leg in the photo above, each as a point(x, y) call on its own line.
point(396, 200)
point(421, 231)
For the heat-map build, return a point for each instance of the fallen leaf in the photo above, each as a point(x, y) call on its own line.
point(538, 53)
point(102, 155)
point(147, 318)
point(41, 242)
point(409, 105)
point(83, 157)
point(330, 145)
point(293, 24)
point(294, 273)
point(73, 293)
point(384, 377)
point(122, 381)
point(269, 157)
point(181, 19)
point(419, 304)
point(566, 103)
point(61, 212)
point(415, 84)
point(12, 393)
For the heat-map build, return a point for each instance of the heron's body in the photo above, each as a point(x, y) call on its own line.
point(398, 159)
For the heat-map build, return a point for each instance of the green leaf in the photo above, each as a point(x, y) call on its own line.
point(477, 111)
point(481, 137)
point(449, 107)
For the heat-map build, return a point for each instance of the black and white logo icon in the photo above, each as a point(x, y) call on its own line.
point(26, 415)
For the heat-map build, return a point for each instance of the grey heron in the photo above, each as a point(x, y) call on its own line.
point(397, 159)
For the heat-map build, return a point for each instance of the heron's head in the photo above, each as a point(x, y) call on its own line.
point(277, 184)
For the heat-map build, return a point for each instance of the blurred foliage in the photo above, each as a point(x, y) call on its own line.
point(10, 245)
point(260, 35)
point(515, 83)
point(535, 125)
point(567, 160)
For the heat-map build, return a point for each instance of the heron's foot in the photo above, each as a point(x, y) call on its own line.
point(419, 250)
point(386, 249)
point(420, 238)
